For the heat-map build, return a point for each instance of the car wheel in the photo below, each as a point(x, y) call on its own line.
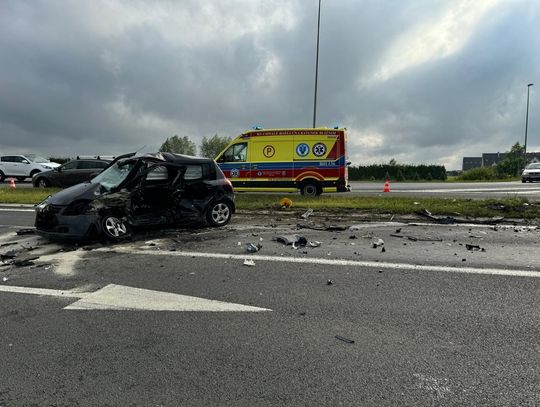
point(34, 172)
point(2, 176)
point(42, 183)
point(219, 213)
point(310, 189)
point(114, 228)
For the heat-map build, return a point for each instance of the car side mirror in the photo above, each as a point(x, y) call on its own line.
point(25, 162)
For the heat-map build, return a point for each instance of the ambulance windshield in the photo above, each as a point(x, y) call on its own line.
point(236, 153)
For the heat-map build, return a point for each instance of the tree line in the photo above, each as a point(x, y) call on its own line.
point(397, 172)
point(210, 146)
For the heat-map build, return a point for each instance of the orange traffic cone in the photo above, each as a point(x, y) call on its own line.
point(12, 183)
point(386, 186)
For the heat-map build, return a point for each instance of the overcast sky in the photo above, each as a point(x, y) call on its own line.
point(421, 81)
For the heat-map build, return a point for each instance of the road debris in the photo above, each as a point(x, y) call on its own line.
point(328, 228)
point(292, 239)
point(314, 243)
point(308, 213)
point(25, 262)
point(249, 262)
point(377, 243)
point(253, 248)
point(8, 255)
point(26, 231)
point(329, 282)
point(474, 247)
point(450, 220)
point(343, 339)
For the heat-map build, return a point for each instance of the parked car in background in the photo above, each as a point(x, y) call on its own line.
point(531, 173)
point(23, 166)
point(71, 173)
point(152, 190)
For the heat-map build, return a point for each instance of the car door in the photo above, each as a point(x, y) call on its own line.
point(9, 166)
point(12, 164)
point(85, 169)
point(66, 173)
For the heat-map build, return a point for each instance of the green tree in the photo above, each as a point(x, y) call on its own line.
point(513, 162)
point(211, 147)
point(178, 145)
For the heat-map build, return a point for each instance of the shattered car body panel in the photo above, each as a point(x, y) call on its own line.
point(148, 191)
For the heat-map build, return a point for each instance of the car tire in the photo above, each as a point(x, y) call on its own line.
point(2, 176)
point(114, 228)
point(219, 213)
point(310, 189)
point(523, 181)
point(34, 172)
point(42, 183)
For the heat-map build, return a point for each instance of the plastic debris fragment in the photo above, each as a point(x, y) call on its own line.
point(308, 213)
point(249, 262)
point(253, 248)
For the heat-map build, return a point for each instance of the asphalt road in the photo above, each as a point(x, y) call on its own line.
point(436, 189)
point(433, 323)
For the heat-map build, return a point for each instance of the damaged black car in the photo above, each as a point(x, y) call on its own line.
point(147, 191)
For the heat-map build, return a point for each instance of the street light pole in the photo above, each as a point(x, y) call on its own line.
point(317, 67)
point(527, 122)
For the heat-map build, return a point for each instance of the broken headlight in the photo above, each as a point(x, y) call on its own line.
point(43, 204)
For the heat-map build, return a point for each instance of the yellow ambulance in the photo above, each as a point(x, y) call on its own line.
point(286, 160)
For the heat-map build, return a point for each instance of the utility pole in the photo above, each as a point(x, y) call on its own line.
point(527, 122)
point(317, 67)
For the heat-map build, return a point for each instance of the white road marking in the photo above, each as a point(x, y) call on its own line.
point(138, 299)
point(16, 210)
point(123, 298)
point(41, 291)
point(334, 262)
point(474, 190)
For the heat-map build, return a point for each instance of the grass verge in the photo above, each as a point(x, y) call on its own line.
point(509, 207)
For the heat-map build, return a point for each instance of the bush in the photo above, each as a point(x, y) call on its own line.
point(399, 172)
point(480, 174)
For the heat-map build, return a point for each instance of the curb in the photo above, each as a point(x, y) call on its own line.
point(15, 206)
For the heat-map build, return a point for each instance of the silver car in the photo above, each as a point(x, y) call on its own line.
point(531, 173)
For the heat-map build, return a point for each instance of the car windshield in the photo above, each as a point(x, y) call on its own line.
point(115, 174)
point(36, 158)
point(533, 166)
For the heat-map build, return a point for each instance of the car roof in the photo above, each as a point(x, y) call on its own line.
point(176, 158)
point(93, 159)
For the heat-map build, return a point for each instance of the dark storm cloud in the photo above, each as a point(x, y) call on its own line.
point(106, 77)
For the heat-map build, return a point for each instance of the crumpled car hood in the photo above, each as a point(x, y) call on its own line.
point(86, 190)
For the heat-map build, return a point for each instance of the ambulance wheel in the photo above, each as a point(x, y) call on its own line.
point(310, 189)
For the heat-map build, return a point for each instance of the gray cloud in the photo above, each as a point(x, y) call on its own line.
point(417, 80)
